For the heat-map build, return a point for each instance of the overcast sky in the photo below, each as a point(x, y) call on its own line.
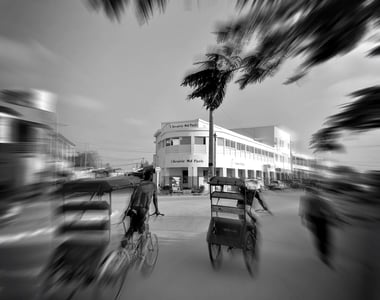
point(116, 82)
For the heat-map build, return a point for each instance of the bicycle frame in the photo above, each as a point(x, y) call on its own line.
point(138, 247)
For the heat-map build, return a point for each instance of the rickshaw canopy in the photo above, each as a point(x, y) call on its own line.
point(218, 180)
point(100, 185)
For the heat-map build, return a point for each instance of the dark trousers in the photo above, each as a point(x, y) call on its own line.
point(137, 223)
point(261, 201)
point(321, 230)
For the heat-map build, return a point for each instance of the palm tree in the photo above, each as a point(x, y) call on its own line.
point(210, 82)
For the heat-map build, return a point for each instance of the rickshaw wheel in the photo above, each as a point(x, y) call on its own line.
point(250, 253)
point(215, 253)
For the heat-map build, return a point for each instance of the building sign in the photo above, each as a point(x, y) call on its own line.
point(186, 161)
point(183, 125)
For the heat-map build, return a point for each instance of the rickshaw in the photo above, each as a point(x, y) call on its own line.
point(233, 223)
point(83, 235)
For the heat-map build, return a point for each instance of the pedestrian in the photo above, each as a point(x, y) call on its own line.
point(318, 215)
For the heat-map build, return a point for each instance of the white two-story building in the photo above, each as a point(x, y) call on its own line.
point(182, 153)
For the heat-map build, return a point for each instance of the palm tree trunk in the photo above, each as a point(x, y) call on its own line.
point(211, 167)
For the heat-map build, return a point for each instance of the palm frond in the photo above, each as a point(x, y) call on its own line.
point(318, 30)
point(296, 77)
point(375, 51)
point(115, 8)
point(146, 8)
point(360, 115)
point(256, 68)
point(112, 8)
point(326, 140)
point(209, 85)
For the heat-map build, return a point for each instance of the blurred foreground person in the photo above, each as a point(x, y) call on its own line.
point(319, 216)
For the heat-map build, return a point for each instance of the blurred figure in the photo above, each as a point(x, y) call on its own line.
point(140, 202)
point(318, 215)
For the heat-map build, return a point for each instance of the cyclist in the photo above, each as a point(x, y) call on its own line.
point(141, 199)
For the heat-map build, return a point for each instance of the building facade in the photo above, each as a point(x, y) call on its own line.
point(302, 166)
point(182, 153)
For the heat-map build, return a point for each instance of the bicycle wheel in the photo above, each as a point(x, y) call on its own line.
point(250, 253)
point(112, 274)
point(151, 255)
point(215, 253)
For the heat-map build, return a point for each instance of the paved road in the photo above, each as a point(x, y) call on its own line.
point(289, 267)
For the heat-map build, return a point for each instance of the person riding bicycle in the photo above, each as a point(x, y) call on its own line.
point(141, 199)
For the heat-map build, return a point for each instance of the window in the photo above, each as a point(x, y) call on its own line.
point(174, 141)
point(250, 149)
point(230, 143)
point(185, 140)
point(240, 146)
point(167, 142)
point(200, 140)
point(220, 141)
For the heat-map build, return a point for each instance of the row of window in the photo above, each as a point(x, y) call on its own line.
point(301, 161)
point(201, 140)
point(182, 140)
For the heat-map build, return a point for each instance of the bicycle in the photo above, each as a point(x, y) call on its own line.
point(141, 253)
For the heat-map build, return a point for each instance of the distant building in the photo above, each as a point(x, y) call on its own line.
point(302, 165)
point(63, 151)
point(257, 152)
point(29, 143)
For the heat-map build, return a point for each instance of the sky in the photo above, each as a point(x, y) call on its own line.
point(116, 82)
